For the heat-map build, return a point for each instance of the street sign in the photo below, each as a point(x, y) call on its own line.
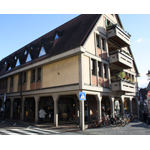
point(82, 95)
point(149, 93)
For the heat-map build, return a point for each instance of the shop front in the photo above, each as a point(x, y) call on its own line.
point(16, 108)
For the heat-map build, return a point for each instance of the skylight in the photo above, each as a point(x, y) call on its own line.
point(28, 58)
point(25, 52)
point(42, 52)
point(17, 63)
point(56, 37)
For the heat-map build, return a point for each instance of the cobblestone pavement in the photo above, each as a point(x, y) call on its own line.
point(133, 128)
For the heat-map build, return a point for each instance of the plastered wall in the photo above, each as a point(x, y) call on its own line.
point(61, 73)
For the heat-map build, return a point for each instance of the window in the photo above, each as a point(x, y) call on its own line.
point(99, 69)
point(93, 66)
point(19, 80)
point(97, 41)
point(56, 37)
point(39, 74)
point(9, 68)
point(11, 81)
point(108, 23)
point(28, 58)
point(103, 44)
point(42, 52)
point(105, 71)
point(24, 77)
point(25, 52)
point(33, 76)
point(18, 62)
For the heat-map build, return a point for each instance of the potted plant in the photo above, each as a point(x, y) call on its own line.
point(121, 75)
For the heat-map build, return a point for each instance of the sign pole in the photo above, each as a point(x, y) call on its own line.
point(82, 115)
point(82, 99)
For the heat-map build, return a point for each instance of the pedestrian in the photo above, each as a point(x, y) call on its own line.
point(145, 116)
point(42, 114)
point(109, 112)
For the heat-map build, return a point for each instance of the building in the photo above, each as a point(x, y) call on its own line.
point(90, 53)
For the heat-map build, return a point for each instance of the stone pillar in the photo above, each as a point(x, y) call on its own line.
point(131, 105)
point(37, 99)
point(112, 106)
point(109, 77)
point(22, 114)
point(55, 99)
point(12, 106)
point(122, 104)
point(99, 105)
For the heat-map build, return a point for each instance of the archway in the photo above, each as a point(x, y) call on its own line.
point(134, 106)
point(7, 108)
point(67, 109)
point(126, 105)
point(106, 104)
point(47, 104)
point(29, 108)
point(16, 108)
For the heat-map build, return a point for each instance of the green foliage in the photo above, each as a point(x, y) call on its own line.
point(121, 75)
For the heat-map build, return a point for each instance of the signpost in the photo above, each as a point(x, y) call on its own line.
point(82, 98)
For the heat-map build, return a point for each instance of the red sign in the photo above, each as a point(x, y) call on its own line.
point(149, 93)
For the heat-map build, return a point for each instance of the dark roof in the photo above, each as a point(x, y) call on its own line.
point(71, 35)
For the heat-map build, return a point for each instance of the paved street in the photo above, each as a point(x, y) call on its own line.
point(13, 128)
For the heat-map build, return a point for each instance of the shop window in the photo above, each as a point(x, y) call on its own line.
point(33, 76)
point(105, 71)
point(39, 74)
point(93, 66)
point(11, 81)
point(42, 52)
point(99, 69)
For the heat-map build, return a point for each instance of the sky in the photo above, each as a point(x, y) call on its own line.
point(17, 30)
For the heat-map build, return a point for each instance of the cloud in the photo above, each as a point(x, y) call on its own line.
point(138, 41)
point(143, 80)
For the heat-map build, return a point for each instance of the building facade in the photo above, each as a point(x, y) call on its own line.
point(90, 53)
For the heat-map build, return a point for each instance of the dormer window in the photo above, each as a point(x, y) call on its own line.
point(31, 47)
point(5, 63)
point(25, 52)
point(9, 68)
point(28, 58)
point(42, 52)
point(56, 37)
point(15, 57)
point(18, 62)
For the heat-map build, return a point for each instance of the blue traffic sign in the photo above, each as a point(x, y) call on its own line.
point(82, 95)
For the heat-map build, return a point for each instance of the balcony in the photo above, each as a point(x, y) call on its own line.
point(121, 59)
point(116, 34)
point(123, 86)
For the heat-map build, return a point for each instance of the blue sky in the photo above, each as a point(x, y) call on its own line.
point(17, 30)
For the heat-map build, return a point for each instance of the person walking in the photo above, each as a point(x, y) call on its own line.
point(42, 114)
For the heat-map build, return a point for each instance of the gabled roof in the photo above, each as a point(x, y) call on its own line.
point(71, 35)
